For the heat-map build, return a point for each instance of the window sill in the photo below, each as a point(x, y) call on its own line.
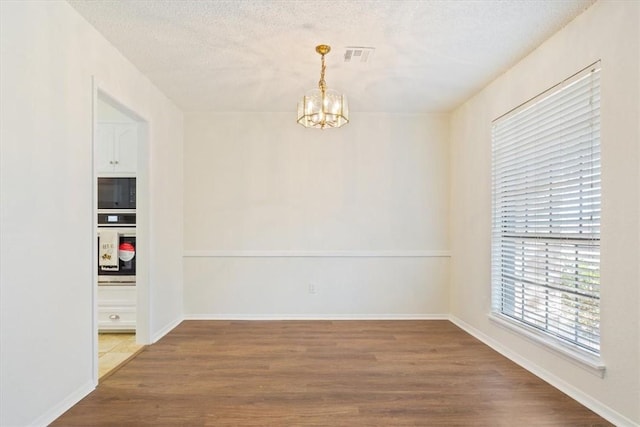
point(583, 359)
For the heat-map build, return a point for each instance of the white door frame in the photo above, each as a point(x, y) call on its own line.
point(143, 310)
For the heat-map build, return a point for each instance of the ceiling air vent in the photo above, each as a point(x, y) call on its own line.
point(358, 53)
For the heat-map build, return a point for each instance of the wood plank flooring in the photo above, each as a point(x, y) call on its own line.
point(324, 373)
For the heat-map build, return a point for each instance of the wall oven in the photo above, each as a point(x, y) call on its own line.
point(116, 248)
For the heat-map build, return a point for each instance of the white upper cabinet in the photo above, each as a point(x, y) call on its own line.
point(117, 149)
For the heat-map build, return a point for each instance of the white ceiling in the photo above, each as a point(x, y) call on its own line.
point(259, 55)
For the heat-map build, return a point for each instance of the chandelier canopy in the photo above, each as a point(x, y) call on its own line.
point(322, 107)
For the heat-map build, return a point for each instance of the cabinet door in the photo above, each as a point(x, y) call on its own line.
point(116, 319)
point(126, 148)
point(105, 148)
point(116, 308)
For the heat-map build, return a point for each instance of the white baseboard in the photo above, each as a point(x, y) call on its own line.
point(164, 331)
point(54, 413)
point(595, 405)
point(316, 317)
point(75, 397)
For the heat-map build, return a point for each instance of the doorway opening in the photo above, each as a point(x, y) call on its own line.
point(120, 211)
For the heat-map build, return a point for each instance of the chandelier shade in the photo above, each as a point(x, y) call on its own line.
point(321, 108)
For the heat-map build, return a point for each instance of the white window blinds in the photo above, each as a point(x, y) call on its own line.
point(546, 212)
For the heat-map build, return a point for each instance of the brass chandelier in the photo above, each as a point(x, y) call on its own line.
point(322, 107)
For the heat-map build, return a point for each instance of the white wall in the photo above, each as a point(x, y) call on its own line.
point(607, 31)
point(109, 113)
point(48, 57)
point(359, 212)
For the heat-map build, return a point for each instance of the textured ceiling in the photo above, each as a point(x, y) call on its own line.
point(259, 55)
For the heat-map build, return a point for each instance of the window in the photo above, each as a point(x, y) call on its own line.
point(546, 213)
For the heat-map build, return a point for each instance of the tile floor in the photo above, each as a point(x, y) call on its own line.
point(113, 349)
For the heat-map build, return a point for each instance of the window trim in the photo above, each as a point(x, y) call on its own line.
point(579, 357)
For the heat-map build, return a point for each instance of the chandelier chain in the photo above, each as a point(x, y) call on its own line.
point(322, 84)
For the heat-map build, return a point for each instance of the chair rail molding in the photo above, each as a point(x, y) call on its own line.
point(321, 254)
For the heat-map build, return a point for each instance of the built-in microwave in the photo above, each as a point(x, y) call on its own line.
point(116, 193)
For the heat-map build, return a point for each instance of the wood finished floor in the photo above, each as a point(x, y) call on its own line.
point(324, 373)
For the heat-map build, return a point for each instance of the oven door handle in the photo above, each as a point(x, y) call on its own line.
point(122, 232)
